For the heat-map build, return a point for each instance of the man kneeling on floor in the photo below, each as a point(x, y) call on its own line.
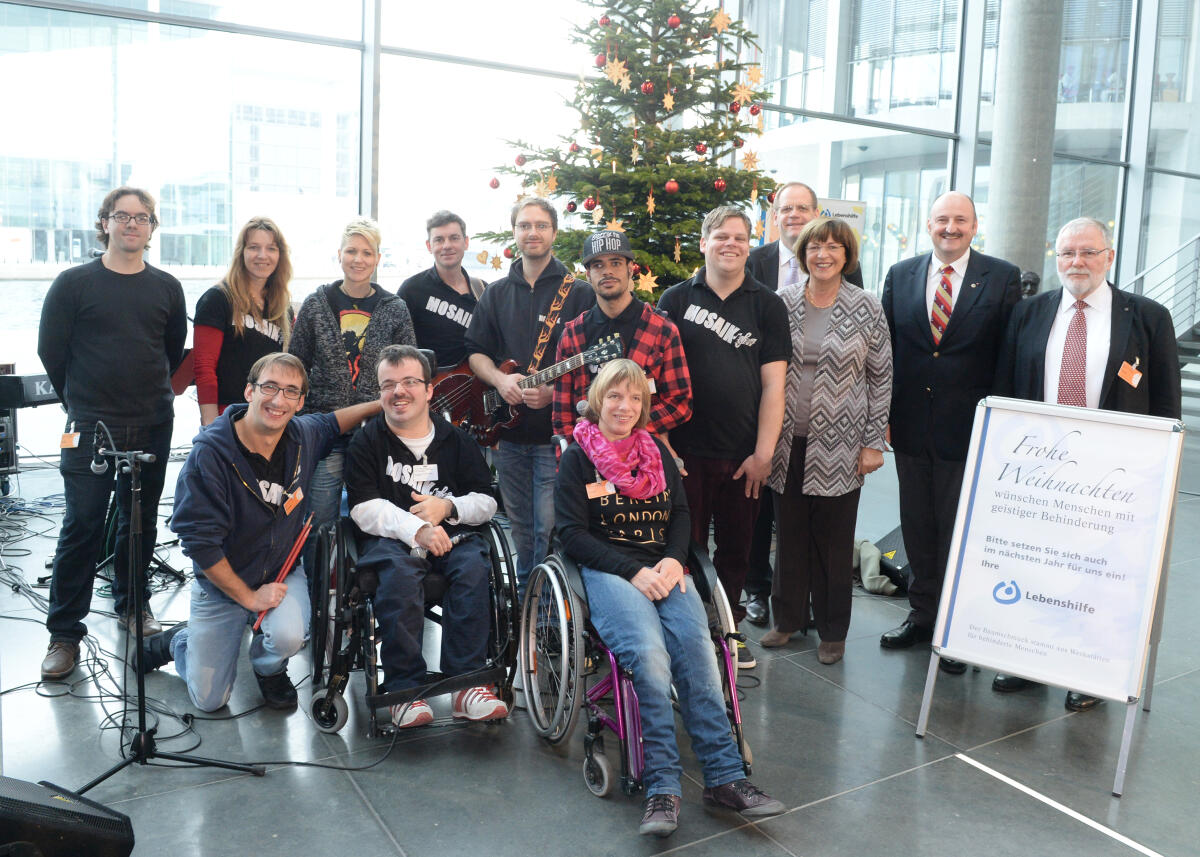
point(239, 507)
point(419, 485)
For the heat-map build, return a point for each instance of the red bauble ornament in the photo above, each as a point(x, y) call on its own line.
point(671, 186)
point(673, 22)
point(589, 203)
point(701, 149)
point(648, 87)
point(519, 160)
point(719, 185)
point(508, 253)
point(574, 148)
point(605, 20)
point(601, 60)
point(771, 197)
point(755, 109)
point(637, 269)
point(571, 206)
point(738, 142)
point(494, 183)
point(734, 107)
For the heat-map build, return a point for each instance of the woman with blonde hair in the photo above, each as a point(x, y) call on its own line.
point(245, 316)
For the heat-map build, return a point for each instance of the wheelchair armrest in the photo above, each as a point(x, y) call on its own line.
point(704, 573)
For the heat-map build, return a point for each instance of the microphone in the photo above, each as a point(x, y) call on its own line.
point(99, 462)
point(581, 407)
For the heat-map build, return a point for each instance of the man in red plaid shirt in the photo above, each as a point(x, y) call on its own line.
point(651, 340)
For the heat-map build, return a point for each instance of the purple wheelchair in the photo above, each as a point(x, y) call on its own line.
point(566, 667)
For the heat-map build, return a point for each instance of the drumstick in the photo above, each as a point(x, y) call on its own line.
point(290, 561)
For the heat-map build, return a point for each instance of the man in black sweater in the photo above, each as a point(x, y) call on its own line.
point(111, 334)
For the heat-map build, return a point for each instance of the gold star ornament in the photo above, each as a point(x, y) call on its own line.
point(615, 69)
point(646, 282)
point(650, 203)
point(754, 74)
point(742, 94)
point(749, 161)
point(668, 102)
point(615, 225)
point(721, 21)
point(497, 262)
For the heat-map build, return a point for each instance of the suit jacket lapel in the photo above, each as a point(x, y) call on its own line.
point(974, 281)
point(1038, 336)
point(919, 312)
point(1122, 325)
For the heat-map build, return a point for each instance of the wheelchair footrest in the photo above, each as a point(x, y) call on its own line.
point(437, 684)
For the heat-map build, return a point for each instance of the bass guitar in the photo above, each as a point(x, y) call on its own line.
point(480, 410)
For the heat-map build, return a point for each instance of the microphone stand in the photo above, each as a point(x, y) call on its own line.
point(143, 748)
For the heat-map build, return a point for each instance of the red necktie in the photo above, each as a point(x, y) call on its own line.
point(1072, 376)
point(942, 306)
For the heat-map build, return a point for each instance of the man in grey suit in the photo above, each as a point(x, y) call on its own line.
point(947, 311)
point(1090, 345)
point(775, 266)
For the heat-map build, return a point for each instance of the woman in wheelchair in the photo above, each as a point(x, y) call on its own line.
point(622, 515)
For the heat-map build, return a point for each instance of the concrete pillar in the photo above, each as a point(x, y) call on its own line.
point(1030, 41)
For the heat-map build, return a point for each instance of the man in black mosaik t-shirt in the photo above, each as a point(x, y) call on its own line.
point(736, 338)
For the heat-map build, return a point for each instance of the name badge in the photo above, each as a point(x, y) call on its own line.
point(599, 489)
point(650, 381)
point(293, 501)
point(69, 440)
point(425, 472)
point(1129, 375)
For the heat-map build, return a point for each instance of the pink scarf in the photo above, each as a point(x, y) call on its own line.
point(634, 465)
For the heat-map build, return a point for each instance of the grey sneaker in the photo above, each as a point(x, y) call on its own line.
point(745, 658)
point(744, 797)
point(660, 816)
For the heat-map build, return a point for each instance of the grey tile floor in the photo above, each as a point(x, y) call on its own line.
point(836, 744)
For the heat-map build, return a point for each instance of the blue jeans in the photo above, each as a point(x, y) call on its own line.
point(206, 651)
point(662, 642)
point(324, 492)
point(527, 473)
point(400, 607)
point(82, 534)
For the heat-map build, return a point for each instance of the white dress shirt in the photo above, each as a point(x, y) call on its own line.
point(934, 278)
point(1098, 316)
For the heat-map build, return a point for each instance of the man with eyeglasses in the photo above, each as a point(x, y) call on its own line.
point(442, 299)
point(239, 508)
point(775, 266)
point(947, 311)
point(418, 488)
point(112, 332)
point(1091, 345)
point(521, 318)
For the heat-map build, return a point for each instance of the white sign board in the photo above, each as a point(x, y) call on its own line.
point(1058, 544)
point(852, 212)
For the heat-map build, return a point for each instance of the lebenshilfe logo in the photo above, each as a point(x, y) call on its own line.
point(1007, 593)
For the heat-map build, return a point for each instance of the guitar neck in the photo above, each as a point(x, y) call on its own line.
point(551, 373)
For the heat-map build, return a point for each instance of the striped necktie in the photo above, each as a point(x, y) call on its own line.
point(1072, 374)
point(942, 306)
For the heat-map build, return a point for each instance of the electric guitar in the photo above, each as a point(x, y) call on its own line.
point(481, 411)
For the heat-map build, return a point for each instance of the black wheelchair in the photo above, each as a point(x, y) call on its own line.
point(565, 667)
point(344, 635)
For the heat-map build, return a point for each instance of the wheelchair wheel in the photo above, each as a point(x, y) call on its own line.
point(597, 774)
point(505, 607)
point(723, 614)
point(329, 713)
point(331, 559)
point(551, 651)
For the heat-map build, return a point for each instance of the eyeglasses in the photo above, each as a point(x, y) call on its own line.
point(1086, 255)
point(409, 384)
point(270, 390)
point(122, 218)
point(831, 247)
point(785, 210)
point(530, 227)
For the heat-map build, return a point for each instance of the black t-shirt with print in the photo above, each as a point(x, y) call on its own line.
point(440, 315)
point(238, 353)
point(727, 342)
point(270, 473)
point(354, 314)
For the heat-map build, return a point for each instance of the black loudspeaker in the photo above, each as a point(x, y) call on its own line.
point(59, 823)
point(894, 560)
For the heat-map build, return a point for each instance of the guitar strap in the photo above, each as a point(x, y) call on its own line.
point(548, 325)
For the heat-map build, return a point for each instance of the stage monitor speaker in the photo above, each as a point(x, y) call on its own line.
point(60, 823)
point(894, 560)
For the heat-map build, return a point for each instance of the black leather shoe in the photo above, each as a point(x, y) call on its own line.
point(951, 667)
point(908, 634)
point(156, 650)
point(1081, 701)
point(277, 690)
point(757, 610)
point(1010, 683)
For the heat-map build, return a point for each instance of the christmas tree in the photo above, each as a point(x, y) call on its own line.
point(661, 137)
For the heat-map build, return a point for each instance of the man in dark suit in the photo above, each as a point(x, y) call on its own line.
point(774, 265)
point(947, 311)
point(1090, 345)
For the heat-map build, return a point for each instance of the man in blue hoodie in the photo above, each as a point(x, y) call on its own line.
point(239, 507)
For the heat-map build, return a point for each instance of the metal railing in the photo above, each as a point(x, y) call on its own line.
point(1175, 283)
